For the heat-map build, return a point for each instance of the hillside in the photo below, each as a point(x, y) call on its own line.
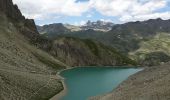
point(149, 84)
point(25, 71)
point(84, 52)
point(79, 52)
point(29, 61)
point(153, 51)
point(130, 38)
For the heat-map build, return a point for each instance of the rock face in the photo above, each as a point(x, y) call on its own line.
point(28, 27)
point(11, 10)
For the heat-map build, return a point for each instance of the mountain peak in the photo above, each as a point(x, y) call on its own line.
point(98, 25)
point(10, 10)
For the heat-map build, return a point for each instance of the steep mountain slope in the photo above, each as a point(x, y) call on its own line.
point(133, 32)
point(150, 84)
point(84, 52)
point(25, 71)
point(79, 52)
point(129, 37)
point(125, 37)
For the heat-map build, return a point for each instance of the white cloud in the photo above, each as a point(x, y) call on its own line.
point(147, 7)
point(126, 10)
point(111, 7)
point(164, 15)
point(42, 8)
point(106, 20)
point(81, 23)
point(89, 16)
point(130, 10)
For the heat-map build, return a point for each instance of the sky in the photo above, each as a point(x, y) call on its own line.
point(78, 12)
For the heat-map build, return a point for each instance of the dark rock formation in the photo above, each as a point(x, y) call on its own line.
point(11, 10)
point(25, 26)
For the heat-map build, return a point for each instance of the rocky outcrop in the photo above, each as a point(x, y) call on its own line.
point(11, 10)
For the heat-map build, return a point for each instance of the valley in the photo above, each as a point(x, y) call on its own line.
point(31, 56)
point(136, 40)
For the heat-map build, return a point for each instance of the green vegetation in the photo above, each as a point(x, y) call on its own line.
point(92, 46)
point(157, 48)
point(122, 59)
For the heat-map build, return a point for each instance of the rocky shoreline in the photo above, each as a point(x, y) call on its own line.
point(63, 92)
point(149, 84)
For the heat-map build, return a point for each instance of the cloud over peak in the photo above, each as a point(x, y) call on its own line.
point(125, 10)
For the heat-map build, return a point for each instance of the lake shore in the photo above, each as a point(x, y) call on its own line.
point(64, 91)
point(152, 83)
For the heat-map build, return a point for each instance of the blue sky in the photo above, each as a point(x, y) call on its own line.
point(77, 12)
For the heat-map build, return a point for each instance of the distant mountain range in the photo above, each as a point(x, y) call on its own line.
point(59, 28)
point(129, 38)
point(98, 25)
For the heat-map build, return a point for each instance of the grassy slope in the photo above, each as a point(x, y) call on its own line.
point(158, 44)
point(25, 70)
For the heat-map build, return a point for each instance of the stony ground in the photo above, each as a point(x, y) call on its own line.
point(25, 71)
point(17, 85)
point(150, 84)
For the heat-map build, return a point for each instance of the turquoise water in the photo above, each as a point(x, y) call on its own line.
point(85, 82)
